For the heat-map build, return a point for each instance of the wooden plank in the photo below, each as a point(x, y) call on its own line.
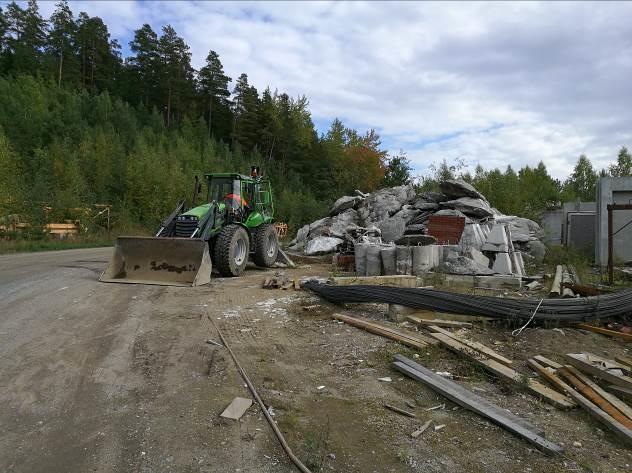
point(399, 411)
point(614, 400)
point(622, 392)
point(474, 345)
point(466, 393)
point(587, 366)
point(601, 416)
point(409, 340)
point(438, 322)
point(604, 331)
point(624, 361)
point(591, 394)
point(476, 404)
point(549, 375)
point(546, 362)
point(504, 372)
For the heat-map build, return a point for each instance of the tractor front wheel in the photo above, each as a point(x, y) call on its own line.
point(266, 245)
point(232, 247)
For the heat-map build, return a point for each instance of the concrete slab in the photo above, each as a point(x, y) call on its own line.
point(502, 264)
point(396, 280)
point(498, 282)
point(496, 240)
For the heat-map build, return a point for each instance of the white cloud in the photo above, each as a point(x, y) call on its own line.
point(437, 79)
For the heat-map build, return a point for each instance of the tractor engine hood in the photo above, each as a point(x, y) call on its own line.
point(197, 212)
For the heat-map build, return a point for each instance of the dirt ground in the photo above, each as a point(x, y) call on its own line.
point(113, 377)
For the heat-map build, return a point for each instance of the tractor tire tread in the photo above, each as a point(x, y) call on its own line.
point(223, 251)
point(260, 256)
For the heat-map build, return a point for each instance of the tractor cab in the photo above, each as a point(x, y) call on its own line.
point(246, 199)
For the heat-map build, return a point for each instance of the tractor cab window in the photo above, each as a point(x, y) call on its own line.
point(226, 190)
point(248, 193)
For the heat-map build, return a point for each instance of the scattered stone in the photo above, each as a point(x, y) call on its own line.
point(455, 188)
point(463, 265)
point(385, 379)
point(322, 245)
point(439, 427)
point(344, 203)
point(470, 206)
point(577, 444)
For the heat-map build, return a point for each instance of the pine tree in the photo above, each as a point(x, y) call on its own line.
point(61, 42)
point(27, 36)
point(100, 58)
point(245, 106)
point(144, 66)
point(214, 84)
point(176, 73)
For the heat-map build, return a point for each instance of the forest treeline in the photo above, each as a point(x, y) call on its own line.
point(81, 124)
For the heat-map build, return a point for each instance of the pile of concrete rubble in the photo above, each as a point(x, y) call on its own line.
point(394, 222)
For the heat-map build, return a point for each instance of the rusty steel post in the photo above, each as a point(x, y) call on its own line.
point(610, 247)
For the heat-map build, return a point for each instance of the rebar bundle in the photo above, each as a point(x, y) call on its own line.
point(570, 310)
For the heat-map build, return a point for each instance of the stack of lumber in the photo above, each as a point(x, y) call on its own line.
point(497, 364)
point(572, 380)
point(477, 404)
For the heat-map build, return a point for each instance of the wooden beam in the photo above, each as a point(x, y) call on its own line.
point(604, 331)
point(612, 399)
point(546, 362)
point(623, 392)
point(506, 373)
point(622, 432)
point(624, 361)
point(584, 362)
point(471, 401)
point(417, 341)
point(438, 322)
point(474, 345)
point(399, 411)
point(590, 393)
point(549, 375)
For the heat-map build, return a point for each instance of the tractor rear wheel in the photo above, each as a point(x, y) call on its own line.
point(232, 247)
point(266, 245)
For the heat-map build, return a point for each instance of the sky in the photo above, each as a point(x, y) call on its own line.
point(494, 84)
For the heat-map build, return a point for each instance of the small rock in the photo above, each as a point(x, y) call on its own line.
point(577, 444)
point(385, 380)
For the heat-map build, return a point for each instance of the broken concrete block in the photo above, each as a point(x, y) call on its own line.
point(502, 264)
point(478, 256)
point(471, 237)
point(496, 240)
point(237, 408)
point(518, 262)
point(463, 265)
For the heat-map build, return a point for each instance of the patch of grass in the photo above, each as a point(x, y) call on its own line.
point(580, 260)
point(27, 246)
point(315, 448)
point(388, 352)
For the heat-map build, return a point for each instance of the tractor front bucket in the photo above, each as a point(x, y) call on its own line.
point(161, 261)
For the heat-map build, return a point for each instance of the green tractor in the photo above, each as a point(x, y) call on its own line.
point(233, 224)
